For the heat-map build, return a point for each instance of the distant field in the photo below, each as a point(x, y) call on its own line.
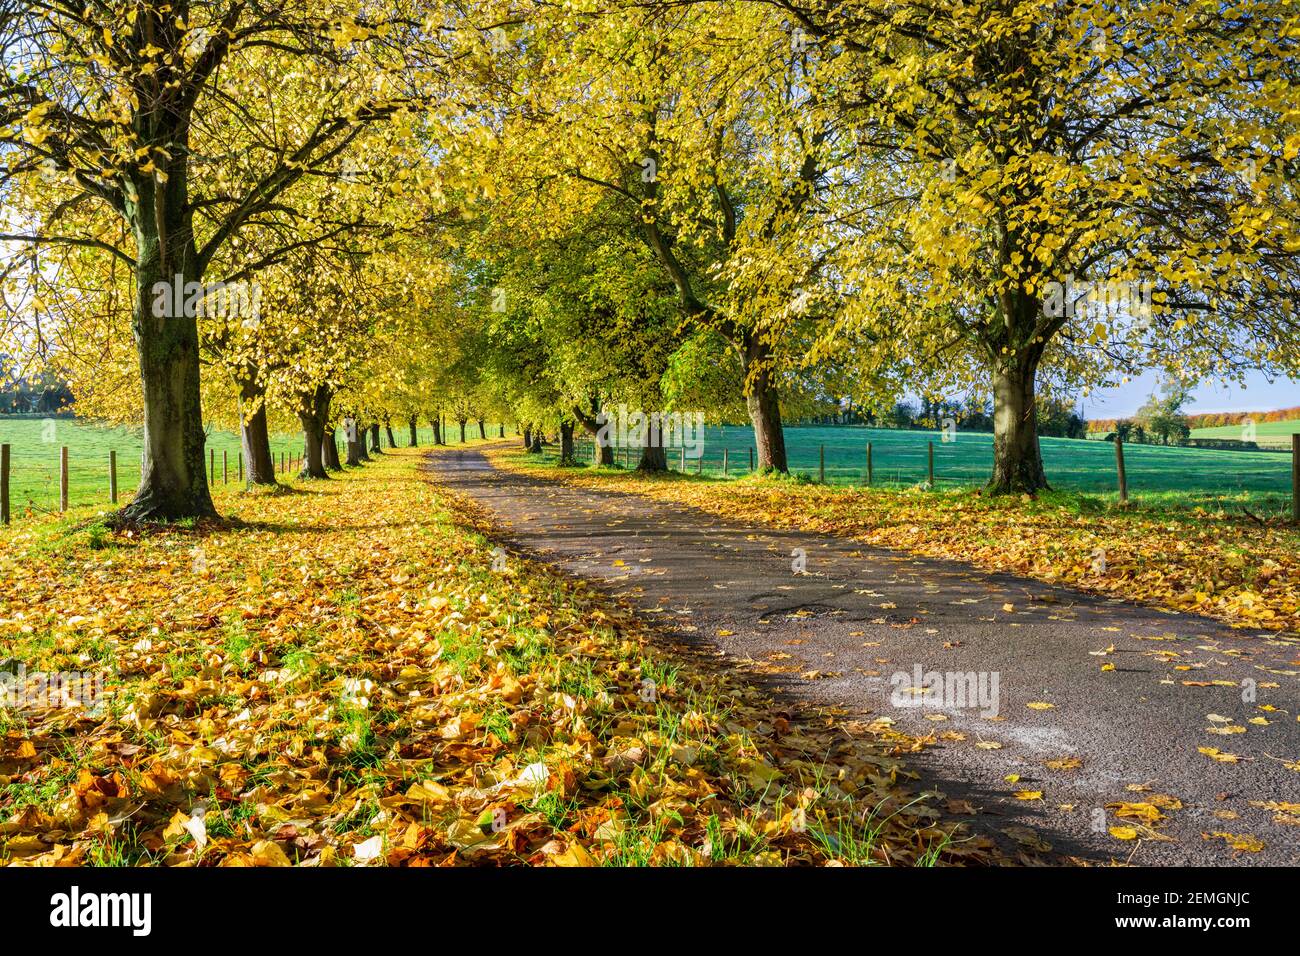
point(34, 458)
point(1266, 433)
point(899, 458)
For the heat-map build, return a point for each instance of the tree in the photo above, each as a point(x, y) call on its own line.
point(1068, 184)
point(1162, 414)
point(634, 115)
point(124, 107)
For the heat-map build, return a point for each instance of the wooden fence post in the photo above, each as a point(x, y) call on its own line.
point(4, 484)
point(821, 464)
point(63, 479)
point(1119, 467)
point(225, 467)
point(751, 458)
point(699, 463)
point(212, 466)
point(240, 456)
point(869, 470)
point(725, 462)
point(1295, 478)
point(683, 451)
point(112, 477)
point(930, 464)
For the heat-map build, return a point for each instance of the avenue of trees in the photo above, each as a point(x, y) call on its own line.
point(413, 212)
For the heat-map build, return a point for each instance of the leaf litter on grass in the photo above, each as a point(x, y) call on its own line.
point(346, 680)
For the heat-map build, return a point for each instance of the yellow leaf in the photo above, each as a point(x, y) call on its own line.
point(574, 855)
point(266, 853)
point(1215, 754)
point(1238, 841)
point(1146, 812)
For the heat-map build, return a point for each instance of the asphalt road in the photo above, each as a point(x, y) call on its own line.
point(1134, 691)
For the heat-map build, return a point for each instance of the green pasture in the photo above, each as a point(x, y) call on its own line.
point(34, 458)
point(1277, 434)
point(899, 458)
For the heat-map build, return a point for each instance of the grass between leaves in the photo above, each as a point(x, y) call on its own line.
point(349, 675)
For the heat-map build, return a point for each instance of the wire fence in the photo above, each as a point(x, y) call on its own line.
point(36, 479)
point(905, 458)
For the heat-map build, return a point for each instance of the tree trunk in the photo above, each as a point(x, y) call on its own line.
point(482, 433)
point(362, 453)
point(254, 437)
point(1017, 459)
point(654, 457)
point(375, 447)
point(353, 442)
point(764, 405)
point(415, 435)
point(461, 422)
point(536, 446)
point(313, 412)
point(604, 447)
point(173, 481)
point(332, 450)
point(388, 427)
point(528, 438)
point(567, 456)
point(436, 422)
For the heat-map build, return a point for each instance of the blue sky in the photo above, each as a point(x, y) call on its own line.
point(1258, 396)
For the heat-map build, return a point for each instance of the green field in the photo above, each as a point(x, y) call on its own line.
point(1276, 434)
point(899, 458)
point(34, 458)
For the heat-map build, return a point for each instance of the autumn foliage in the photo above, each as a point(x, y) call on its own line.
point(366, 689)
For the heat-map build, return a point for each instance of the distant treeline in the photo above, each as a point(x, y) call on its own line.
point(1212, 419)
point(40, 395)
point(35, 401)
point(1056, 418)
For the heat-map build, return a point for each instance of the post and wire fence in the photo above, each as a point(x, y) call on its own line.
point(39, 478)
point(935, 464)
point(50, 477)
point(729, 462)
point(52, 466)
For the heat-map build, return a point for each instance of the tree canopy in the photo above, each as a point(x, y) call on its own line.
point(292, 215)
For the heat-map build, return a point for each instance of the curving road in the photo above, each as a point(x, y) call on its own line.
point(1134, 692)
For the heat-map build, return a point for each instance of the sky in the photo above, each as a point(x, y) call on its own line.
point(1259, 395)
